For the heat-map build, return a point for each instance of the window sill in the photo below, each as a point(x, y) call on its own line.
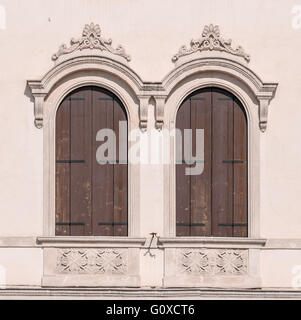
point(211, 242)
point(72, 241)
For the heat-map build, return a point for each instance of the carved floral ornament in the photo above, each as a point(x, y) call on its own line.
point(211, 40)
point(92, 39)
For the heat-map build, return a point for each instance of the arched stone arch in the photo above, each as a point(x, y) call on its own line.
point(231, 75)
point(74, 72)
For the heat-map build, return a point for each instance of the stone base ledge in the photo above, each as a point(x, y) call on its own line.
point(90, 281)
point(225, 282)
point(141, 293)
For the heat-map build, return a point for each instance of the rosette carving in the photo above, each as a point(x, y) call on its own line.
point(92, 261)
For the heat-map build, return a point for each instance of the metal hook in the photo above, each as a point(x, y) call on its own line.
point(153, 234)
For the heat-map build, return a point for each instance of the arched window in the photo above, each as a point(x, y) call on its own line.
point(91, 198)
point(214, 203)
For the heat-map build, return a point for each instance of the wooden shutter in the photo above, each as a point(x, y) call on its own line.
point(214, 203)
point(91, 199)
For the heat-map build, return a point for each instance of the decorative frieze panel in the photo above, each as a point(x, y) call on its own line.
point(212, 261)
point(217, 266)
point(211, 40)
point(92, 261)
point(91, 266)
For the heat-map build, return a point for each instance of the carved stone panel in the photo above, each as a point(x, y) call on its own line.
point(212, 261)
point(211, 267)
point(92, 261)
point(91, 266)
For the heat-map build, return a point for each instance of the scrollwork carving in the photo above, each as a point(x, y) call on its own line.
point(143, 113)
point(38, 111)
point(211, 40)
point(91, 39)
point(263, 113)
point(159, 112)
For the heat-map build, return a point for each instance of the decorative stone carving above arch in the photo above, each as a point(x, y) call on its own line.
point(91, 39)
point(211, 52)
point(211, 40)
point(87, 57)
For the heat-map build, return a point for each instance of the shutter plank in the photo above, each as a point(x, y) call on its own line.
point(183, 194)
point(103, 174)
point(201, 184)
point(81, 172)
point(120, 178)
point(62, 186)
point(240, 172)
point(222, 173)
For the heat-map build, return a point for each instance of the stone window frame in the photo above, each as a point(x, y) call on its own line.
point(63, 78)
point(255, 96)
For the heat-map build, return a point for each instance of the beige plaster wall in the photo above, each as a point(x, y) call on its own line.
point(151, 32)
point(20, 266)
point(281, 268)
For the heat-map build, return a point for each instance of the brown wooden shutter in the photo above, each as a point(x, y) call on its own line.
point(91, 199)
point(62, 178)
point(240, 175)
point(183, 181)
point(120, 177)
point(215, 202)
